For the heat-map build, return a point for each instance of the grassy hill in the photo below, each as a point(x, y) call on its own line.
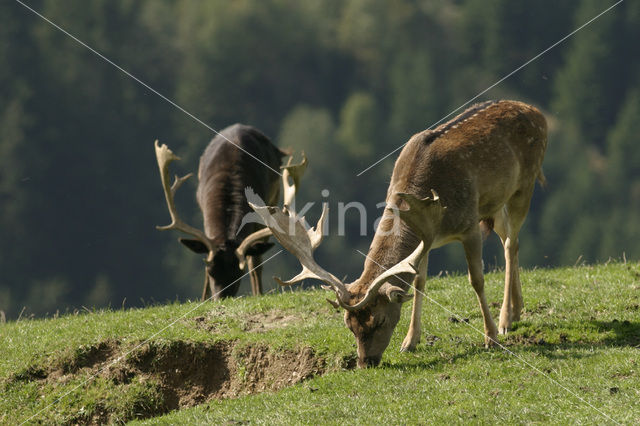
point(288, 358)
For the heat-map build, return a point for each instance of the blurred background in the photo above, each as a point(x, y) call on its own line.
point(345, 81)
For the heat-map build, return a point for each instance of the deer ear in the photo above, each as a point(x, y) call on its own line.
point(258, 248)
point(395, 294)
point(196, 246)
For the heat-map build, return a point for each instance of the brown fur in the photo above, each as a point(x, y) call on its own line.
point(416, 172)
point(483, 164)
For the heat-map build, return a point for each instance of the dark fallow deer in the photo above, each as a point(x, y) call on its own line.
point(476, 172)
point(239, 157)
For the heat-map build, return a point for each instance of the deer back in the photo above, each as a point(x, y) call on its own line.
point(475, 162)
point(225, 171)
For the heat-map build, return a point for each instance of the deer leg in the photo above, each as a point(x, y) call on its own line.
point(512, 301)
point(503, 229)
point(507, 225)
point(473, 251)
point(516, 286)
point(413, 335)
point(517, 213)
point(255, 274)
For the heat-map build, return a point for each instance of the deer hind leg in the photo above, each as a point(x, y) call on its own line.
point(473, 251)
point(255, 274)
point(413, 335)
point(507, 225)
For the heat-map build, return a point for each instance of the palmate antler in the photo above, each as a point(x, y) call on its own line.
point(291, 175)
point(289, 230)
point(291, 233)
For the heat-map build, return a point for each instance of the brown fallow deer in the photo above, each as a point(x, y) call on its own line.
point(239, 157)
point(476, 172)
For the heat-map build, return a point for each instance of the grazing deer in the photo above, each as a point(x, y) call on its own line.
point(240, 156)
point(475, 172)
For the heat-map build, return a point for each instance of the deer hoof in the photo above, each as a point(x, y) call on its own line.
point(489, 342)
point(490, 337)
point(505, 323)
point(408, 346)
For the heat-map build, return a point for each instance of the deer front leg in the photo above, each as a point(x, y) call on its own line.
point(255, 274)
point(413, 335)
point(473, 251)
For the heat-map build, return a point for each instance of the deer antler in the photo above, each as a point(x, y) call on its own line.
point(407, 265)
point(291, 233)
point(293, 172)
point(290, 171)
point(165, 156)
point(248, 242)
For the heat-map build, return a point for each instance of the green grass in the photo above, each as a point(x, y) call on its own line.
point(574, 358)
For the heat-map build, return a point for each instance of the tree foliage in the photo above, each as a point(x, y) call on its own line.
point(345, 81)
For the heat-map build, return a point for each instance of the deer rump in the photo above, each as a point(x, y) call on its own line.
point(226, 169)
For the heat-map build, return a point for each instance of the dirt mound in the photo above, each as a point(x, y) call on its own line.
point(184, 373)
point(189, 373)
point(259, 370)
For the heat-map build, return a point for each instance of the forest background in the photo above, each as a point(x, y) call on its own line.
point(345, 81)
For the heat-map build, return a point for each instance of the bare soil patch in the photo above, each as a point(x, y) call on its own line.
point(261, 322)
point(186, 373)
point(252, 323)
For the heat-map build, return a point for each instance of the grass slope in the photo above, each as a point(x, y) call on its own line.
point(287, 358)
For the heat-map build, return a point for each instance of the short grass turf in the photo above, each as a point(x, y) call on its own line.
point(573, 358)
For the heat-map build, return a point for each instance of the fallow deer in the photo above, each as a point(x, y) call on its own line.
point(239, 157)
point(476, 171)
